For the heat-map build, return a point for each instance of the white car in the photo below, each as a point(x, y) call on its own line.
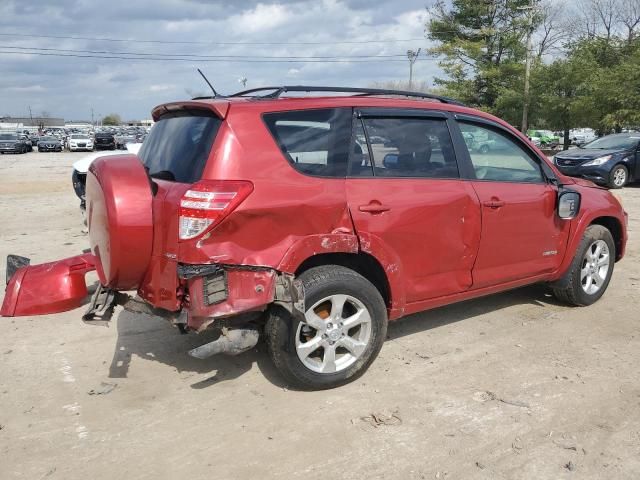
point(580, 136)
point(81, 167)
point(80, 141)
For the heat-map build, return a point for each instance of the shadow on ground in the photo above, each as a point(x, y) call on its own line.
point(154, 339)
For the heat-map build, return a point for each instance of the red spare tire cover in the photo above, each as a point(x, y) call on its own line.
point(120, 220)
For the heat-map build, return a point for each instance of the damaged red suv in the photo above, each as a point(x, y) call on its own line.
point(313, 221)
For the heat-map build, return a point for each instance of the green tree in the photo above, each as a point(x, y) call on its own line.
point(615, 82)
point(112, 119)
point(564, 93)
point(483, 46)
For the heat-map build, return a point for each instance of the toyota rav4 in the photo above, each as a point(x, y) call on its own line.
point(315, 220)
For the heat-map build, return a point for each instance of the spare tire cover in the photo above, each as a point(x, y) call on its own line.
point(120, 220)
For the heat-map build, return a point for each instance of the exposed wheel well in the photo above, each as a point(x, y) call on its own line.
point(363, 263)
point(613, 225)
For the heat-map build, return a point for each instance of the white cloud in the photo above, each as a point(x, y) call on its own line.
point(161, 88)
point(262, 17)
point(27, 88)
point(71, 87)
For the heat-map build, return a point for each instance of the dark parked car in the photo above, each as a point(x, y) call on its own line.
point(613, 160)
point(27, 141)
point(12, 143)
point(49, 144)
point(105, 141)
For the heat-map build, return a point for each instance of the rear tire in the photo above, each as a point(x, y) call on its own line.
point(340, 335)
point(591, 269)
point(618, 177)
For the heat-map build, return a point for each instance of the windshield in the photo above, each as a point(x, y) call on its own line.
point(178, 146)
point(614, 142)
point(8, 136)
point(49, 139)
point(78, 136)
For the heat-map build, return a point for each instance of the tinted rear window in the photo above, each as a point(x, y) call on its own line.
point(178, 146)
point(315, 142)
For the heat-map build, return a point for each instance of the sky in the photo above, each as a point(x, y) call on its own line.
point(71, 86)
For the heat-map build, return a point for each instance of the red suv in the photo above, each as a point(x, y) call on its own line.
point(315, 220)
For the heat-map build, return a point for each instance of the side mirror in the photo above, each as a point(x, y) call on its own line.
point(568, 204)
point(390, 161)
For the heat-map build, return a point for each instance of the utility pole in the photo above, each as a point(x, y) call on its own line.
point(527, 71)
point(412, 56)
point(31, 115)
point(92, 117)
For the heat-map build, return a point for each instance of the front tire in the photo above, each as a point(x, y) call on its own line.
point(340, 335)
point(591, 269)
point(618, 177)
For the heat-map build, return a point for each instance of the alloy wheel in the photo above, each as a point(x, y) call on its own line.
point(336, 332)
point(595, 267)
point(619, 177)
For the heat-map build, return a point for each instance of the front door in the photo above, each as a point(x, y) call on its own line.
point(410, 208)
point(521, 234)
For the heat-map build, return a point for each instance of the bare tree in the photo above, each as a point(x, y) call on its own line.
point(607, 18)
point(629, 16)
point(606, 12)
point(553, 28)
point(594, 18)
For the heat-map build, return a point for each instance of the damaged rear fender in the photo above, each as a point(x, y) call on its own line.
point(227, 291)
point(47, 288)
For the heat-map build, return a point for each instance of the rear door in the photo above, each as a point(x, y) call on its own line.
point(410, 208)
point(521, 234)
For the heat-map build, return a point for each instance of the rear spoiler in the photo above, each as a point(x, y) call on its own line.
point(218, 107)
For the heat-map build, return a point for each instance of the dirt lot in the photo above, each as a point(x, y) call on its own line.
point(514, 386)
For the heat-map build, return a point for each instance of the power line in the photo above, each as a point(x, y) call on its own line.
point(178, 42)
point(189, 55)
point(208, 60)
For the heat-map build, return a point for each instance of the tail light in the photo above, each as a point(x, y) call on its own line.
point(207, 203)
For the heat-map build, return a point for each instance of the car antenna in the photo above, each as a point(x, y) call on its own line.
point(215, 94)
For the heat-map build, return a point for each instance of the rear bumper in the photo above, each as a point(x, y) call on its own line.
point(207, 292)
point(47, 288)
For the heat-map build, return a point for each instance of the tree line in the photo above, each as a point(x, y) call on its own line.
point(585, 60)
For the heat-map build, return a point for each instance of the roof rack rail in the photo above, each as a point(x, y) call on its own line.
point(277, 91)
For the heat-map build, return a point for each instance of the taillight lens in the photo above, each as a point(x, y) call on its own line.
point(207, 202)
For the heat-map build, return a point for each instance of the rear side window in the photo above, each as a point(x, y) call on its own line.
point(179, 144)
point(411, 147)
point(315, 142)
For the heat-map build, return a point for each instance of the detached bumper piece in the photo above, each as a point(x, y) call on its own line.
point(46, 288)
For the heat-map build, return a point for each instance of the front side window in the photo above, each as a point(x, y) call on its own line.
point(315, 142)
point(496, 157)
point(411, 147)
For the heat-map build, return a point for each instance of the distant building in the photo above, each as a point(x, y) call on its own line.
point(35, 121)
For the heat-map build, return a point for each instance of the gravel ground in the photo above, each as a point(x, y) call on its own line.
point(512, 386)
